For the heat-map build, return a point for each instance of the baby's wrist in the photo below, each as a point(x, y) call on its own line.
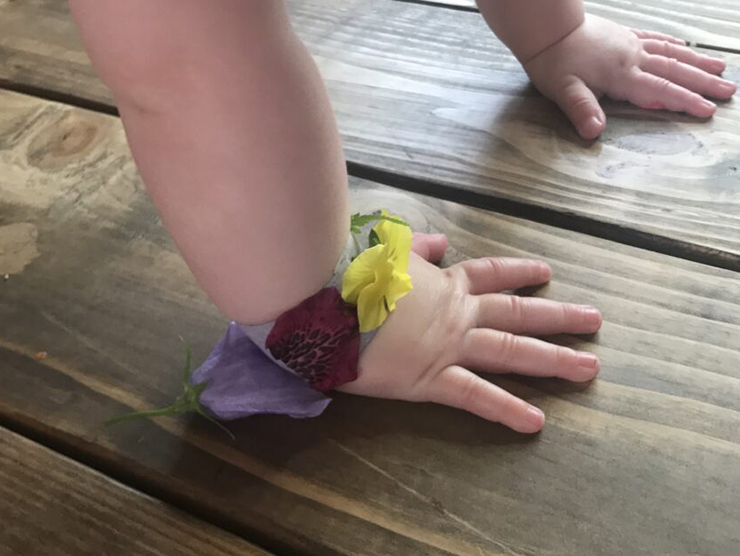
point(530, 27)
point(532, 51)
point(285, 366)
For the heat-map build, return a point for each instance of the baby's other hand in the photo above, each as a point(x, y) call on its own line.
point(456, 321)
point(650, 70)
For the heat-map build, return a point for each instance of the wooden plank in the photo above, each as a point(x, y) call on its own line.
point(714, 23)
point(50, 504)
point(427, 94)
point(646, 460)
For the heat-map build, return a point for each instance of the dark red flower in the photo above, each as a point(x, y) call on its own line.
point(319, 339)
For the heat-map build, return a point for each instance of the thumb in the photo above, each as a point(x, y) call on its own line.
point(582, 108)
point(431, 247)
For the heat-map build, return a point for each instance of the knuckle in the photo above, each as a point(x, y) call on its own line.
point(496, 266)
point(662, 85)
point(580, 102)
point(508, 347)
point(672, 65)
point(568, 313)
point(461, 311)
point(627, 57)
point(652, 45)
point(459, 277)
point(565, 357)
point(470, 391)
point(516, 308)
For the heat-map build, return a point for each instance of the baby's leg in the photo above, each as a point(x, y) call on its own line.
point(232, 131)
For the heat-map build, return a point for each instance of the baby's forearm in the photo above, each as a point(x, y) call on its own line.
point(528, 27)
point(231, 129)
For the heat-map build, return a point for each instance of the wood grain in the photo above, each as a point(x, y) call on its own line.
point(430, 101)
point(715, 23)
point(644, 461)
point(52, 505)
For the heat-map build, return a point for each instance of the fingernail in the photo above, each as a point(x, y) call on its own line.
point(591, 129)
point(535, 416)
point(727, 88)
point(709, 106)
point(591, 315)
point(718, 65)
point(588, 361)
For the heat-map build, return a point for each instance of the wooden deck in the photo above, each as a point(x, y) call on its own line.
point(642, 224)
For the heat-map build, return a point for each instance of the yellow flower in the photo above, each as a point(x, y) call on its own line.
point(379, 277)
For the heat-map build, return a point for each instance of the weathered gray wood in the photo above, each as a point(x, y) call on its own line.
point(50, 504)
point(429, 94)
point(644, 461)
point(715, 23)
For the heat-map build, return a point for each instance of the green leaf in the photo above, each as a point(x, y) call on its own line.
point(373, 238)
point(394, 220)
point(359, 221)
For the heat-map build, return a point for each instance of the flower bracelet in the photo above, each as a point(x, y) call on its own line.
point(285, 366)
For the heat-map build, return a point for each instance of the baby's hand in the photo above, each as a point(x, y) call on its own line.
point(455, 319)
point(651, 70)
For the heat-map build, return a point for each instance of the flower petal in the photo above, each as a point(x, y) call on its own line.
point(319, 339)
point(242, 381)
point(400, 285)
point(371, 304)
point(398, 238)
point(361, 272)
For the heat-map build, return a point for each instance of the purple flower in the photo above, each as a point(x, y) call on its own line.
point(240, 380)
point(319, 339)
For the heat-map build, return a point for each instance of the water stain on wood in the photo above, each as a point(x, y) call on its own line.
point(17, 247)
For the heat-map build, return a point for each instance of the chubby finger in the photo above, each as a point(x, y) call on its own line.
point(688, 76)
point(582, 108)
point(650, 91)
point(658, 36)
point(685, 55)
point(458, 387)
point(495, 351)
point(491, 274)
point(535, 316)
point(431, 247)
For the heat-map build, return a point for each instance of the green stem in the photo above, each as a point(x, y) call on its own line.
point(171, 410)
point(188, 400)
point(205, 415)
point(187, 368)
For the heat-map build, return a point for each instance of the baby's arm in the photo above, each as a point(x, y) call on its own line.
point(232, 131)
point(574, 59)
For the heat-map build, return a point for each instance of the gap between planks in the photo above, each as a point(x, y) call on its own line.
point(54, 501)
point(558, 219)
point(55, 441)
